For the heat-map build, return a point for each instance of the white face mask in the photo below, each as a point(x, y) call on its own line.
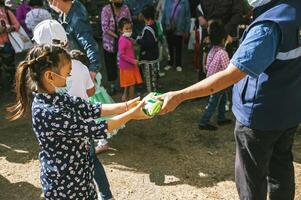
point(64, 89)
point(258, 3)
point(127, 34)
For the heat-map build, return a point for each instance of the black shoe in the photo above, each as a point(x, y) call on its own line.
point(207, 127)
point(224, 122)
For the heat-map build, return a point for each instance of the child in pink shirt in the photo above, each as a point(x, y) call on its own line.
point(128, 64)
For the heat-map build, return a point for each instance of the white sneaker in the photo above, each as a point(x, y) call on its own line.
point(161, 74)
point(179, 69)
point(168, 67)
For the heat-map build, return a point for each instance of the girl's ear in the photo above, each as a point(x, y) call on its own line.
point(48, 76)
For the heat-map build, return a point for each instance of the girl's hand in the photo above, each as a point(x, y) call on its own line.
point(132, 103)
point(137, 113)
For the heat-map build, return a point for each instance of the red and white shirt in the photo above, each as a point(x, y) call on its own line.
point(217, 60)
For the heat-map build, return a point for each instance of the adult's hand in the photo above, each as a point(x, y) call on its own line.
point(140, 17)
point(202, 21)
point(137, 113)
point(93, 75)
point(230, 39)
point(171, 100)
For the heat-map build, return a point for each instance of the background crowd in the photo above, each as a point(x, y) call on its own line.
point(139, 40)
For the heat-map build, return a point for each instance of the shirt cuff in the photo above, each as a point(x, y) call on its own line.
point(244, 69)
point(94, 67)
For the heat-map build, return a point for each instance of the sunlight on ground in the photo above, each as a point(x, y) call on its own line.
point(15, 150)
point(135, 185)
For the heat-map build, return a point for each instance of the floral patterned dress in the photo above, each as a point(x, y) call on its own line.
point(108, 24)
point(63, 127)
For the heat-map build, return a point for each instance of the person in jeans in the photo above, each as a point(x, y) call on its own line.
point(230, 12)
point(265, 71)
point(217, 60)
point(111, 14)
point(75, 20)
point(176, 22)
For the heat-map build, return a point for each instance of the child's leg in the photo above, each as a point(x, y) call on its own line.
point(222, 106)
point(102, 180)
point(125, 94)
point(131, 92)
point(154, 77)
point(147, 74)
point(100, 174)
point(212, 104)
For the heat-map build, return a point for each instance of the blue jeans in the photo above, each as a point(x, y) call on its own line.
point(100, 176)
point(216, 100)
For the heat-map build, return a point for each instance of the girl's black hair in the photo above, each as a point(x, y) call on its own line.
point(29, 75)
point(80, 56)
point(217, 32)
point(149, 12)
point(123, 22)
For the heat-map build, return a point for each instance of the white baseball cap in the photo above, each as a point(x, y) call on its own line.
point(49, 31)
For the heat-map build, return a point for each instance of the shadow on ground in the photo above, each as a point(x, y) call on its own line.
point(19, 190)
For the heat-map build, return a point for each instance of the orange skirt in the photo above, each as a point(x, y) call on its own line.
point(130, 77)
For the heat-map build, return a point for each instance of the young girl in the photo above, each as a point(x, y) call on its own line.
point(217, 60)
point(63, 124)
point(129, 71)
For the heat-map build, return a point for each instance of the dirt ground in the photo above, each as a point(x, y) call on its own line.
point(166, 158)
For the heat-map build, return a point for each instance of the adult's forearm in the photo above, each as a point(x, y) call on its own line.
point(212, 84)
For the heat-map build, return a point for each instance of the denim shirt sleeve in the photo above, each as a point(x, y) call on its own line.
point(259, 49)
point(84, 36)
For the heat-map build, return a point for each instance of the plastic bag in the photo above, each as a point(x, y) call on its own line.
point(101, 96)
point(20, 40)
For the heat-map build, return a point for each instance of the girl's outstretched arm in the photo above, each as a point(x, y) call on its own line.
point(118, 108)
point(135, 113)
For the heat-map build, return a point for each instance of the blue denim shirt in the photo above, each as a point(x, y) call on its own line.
point(80, 34)
point(258, 50)
point(181, 17)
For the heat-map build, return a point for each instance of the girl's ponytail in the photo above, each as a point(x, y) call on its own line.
point(21, 89)
point(29, 75)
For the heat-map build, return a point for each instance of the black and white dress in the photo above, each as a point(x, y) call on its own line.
point(63, 127)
